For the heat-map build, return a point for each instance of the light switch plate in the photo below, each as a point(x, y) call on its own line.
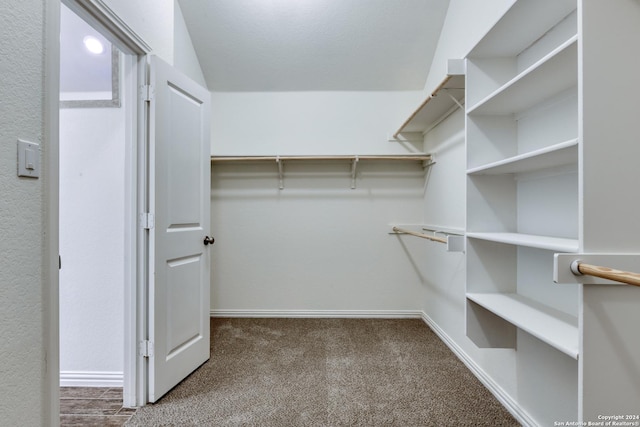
point(28, 159)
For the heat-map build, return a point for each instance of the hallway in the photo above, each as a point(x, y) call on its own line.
point(93, 406)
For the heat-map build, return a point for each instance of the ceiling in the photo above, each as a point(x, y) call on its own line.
point(286, 45)
point(314, 45)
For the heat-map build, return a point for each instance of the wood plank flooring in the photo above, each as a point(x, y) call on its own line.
point(93, 406)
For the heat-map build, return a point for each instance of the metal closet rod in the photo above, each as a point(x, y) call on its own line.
point(579, 268)
point(414, 157)
point(422, 235)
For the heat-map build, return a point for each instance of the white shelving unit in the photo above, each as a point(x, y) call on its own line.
point(556, 244)
point(550, 75)
point(564, 153)
point(523, 148)
point(552, 153)
point(552, 326)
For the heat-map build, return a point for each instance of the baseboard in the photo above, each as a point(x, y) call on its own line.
point(356, 314)
point(91, 379)
point(505, 399)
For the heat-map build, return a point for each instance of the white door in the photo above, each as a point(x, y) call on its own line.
point(179, 199)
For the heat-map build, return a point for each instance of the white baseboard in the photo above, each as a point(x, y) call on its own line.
point(357, 314)
point(91, 379)
point(505, 399)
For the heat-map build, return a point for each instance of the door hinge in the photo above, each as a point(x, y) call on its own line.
point(145, 348)
point(147, 92)
point(147, 221)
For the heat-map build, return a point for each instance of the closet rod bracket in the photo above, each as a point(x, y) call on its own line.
point(586, 268)
point(354, 168)
point(280, 173)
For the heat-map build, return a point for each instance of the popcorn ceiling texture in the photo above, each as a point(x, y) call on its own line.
point(22, 353)
point(280, 45)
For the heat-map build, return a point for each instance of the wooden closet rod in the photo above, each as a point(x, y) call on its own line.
point(422, 235)
point(579, 268)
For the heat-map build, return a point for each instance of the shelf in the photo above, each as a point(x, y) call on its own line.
point(521, 26)
point(425, 159)
point(551, 75)
point(560, 154)
point(419, 157)
point(558, 329)
point(532, 241)
point(523, 133)
point(445, 99)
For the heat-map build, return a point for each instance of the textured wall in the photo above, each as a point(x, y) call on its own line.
point(22, 308)
point(24, 299)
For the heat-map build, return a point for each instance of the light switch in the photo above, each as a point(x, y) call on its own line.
point(28, 159)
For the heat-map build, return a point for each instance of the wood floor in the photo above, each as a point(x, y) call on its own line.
point(93, 406)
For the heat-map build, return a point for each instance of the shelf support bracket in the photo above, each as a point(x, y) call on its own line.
point(454, 242)
point(354, 166)
point(428, 163)
point(453, 98)
point(280, 173)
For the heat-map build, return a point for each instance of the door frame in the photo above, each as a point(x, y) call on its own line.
point(135, 50)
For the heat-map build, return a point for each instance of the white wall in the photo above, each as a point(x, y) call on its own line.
point(92, 158)
point(316, 245)
point(184, 55)
point(466, 22)
point(153, 20)
point(161, 25)
point(270, 123)
point(23, 297)
point(443, 297)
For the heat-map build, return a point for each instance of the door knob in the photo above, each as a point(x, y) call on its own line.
point(208, 240)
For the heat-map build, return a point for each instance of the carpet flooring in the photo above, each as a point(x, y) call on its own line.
point(326, 372)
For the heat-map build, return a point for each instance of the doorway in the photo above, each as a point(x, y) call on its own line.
point(98, 201)
point(166, 135)
point(92, 211)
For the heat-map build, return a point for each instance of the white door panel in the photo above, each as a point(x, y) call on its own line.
point(179, 198)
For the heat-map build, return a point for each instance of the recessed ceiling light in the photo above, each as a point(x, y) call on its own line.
point(93, 45)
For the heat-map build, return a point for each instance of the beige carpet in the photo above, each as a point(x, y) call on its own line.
point(326, 372)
